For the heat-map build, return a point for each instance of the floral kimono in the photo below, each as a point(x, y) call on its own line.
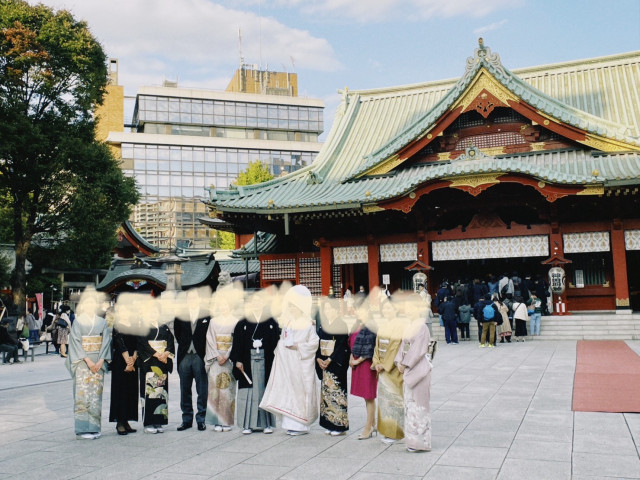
point(89, 338)
point(154, 375)
point(390, 406)
point(222, 383)
point(417, 386)
point(334, 345)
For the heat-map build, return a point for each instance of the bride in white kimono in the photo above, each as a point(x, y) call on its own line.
point(292, 390)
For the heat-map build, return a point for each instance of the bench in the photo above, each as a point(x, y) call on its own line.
point(31, 350)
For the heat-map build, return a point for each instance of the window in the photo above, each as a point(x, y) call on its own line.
point(594, 267)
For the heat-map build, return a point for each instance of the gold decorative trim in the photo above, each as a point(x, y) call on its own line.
point(386, 166)
point(492, 151)
point(541, 184)
point(537, 146)
point(373, 208)
point(444, 156)
point(608, 145)
point(484, 81)
point(592, 190)
point(622, 302)
point(474, 181)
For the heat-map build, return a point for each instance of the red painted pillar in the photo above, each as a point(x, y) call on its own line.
point(325, 267)
point(374, 265)
point(619, 254)
point(423, 256)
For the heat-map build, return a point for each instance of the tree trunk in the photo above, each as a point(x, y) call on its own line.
point(19, 275)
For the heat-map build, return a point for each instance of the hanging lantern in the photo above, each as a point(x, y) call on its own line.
point(557, 280)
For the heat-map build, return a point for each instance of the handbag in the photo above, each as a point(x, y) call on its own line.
point(62, 322)
point(431, 349)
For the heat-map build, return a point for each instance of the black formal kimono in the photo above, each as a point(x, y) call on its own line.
point(154, 375)
point(124, 385)
point(253, 345)
point(334, 344)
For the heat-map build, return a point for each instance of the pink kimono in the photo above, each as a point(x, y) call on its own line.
point(417, 387)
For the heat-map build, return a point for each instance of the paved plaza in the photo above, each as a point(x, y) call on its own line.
point(497, 413)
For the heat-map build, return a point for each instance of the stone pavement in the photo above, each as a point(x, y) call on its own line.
point(497, 413)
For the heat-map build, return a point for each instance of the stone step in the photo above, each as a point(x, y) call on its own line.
point(582, 326)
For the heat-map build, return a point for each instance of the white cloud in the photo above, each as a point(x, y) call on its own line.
point(391, 10)
point(490, 27)
point(195, 40)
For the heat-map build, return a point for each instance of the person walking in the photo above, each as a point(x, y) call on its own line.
point(191, 333)
point(449, 314)
point(64, 328)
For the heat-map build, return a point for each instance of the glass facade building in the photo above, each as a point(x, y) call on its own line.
point(184, 141)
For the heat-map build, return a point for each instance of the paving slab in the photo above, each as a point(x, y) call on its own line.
point(497, 414)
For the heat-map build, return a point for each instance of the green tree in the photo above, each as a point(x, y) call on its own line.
point(65, 187)
point(256, 172)
point(5, 268)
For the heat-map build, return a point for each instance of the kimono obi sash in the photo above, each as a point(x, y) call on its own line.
point(158, 345)
point(91, 343)
point(326, 347)
point(383, 345)
point(224, 342)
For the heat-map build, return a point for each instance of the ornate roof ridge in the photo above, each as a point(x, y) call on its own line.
point(484, 57)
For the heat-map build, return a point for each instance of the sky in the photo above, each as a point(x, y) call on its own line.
point(360, 44)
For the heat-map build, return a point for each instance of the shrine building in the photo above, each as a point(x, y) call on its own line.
point(497, 171)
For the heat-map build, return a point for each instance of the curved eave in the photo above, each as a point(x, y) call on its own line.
point(554, 167)
point(598, 132)
point(108, 284)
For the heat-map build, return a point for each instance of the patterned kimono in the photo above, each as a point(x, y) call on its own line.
point(154, 375)
point(334, 344)
point(417, 386)
point(222, 384)
point(390, 404)
point(89, 338)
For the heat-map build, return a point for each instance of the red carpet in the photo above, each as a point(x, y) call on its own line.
point(607, 377)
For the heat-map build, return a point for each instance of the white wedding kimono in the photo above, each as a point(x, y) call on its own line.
point(292, 390)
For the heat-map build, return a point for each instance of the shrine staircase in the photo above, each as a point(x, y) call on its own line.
point(585, 325)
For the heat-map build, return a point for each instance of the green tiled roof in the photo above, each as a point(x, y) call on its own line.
point(196, 271)
point(598, 95)
point(237, 266)
point(565, 167)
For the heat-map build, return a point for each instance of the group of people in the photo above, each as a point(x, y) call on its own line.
point(254, 358)
point(501, 306)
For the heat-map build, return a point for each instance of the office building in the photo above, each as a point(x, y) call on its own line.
point(182, 141)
